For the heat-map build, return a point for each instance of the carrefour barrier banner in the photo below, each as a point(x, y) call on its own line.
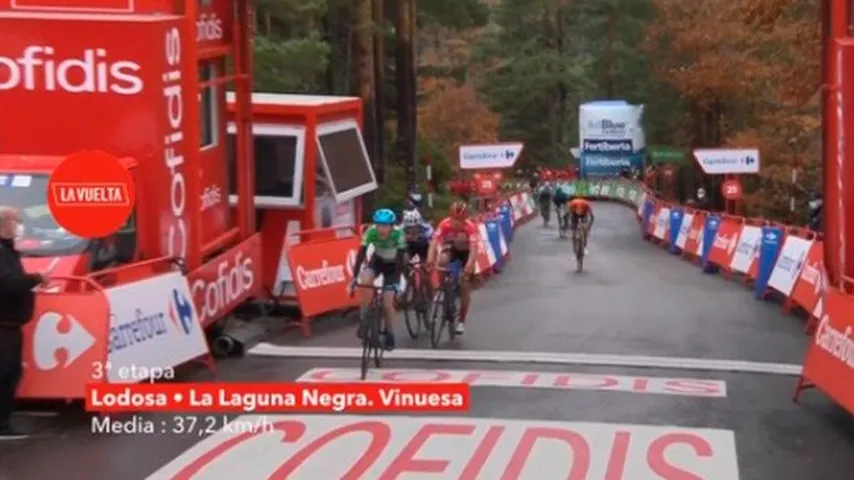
point(710, 231)
point(829, 363)
point(676, 216)
point(768, 250)
point(648, 210)
point(493, 234)
point(507, 221)
point(788, 267)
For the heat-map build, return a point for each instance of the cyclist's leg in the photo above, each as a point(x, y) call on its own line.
point(390, 281)
point(423, 247)
point(462, 256)
point(369, 274)
point(445, 256)
point(573, 226)
point(366, 294)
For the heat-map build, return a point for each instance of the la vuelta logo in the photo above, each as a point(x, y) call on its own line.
point(173, 152)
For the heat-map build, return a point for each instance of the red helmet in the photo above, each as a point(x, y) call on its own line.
point(459, 209)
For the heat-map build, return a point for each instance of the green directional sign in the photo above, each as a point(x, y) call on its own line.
point(667, 155)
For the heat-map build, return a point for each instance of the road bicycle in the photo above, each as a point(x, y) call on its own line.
point(373, 339)
point(445, 303)
point(562, 222)
point(579, 243)
point(545, 211)
point(415, 301)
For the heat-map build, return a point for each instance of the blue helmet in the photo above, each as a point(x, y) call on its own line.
point(384, 216)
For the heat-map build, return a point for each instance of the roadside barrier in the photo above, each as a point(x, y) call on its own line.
point(323, 260)
point(116, 326)
point(774, 260)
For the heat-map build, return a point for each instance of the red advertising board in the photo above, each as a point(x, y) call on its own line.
point(725, 242)
point(322, 272)
point(829, 362)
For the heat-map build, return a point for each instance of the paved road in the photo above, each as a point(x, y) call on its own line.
point(697, 409)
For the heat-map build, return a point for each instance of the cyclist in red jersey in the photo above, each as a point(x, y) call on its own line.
point(457, 237)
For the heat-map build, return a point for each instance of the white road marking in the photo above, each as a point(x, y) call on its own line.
point(640, 361)
point(690, 387)
point(339, 446)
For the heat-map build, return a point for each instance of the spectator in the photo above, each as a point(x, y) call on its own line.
point(816, 208)
point(702, 200)
point(18, 302)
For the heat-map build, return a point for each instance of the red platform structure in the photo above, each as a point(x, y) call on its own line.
point(311, 170)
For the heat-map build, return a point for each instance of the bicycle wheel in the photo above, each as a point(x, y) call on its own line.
point(410, 310)
point(450, 314)
point(578, 246)
point(369, 335)
point(437, 323)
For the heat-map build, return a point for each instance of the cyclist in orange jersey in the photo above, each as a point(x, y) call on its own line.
point(580, 210)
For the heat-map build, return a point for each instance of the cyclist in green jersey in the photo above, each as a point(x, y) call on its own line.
point(387, 260)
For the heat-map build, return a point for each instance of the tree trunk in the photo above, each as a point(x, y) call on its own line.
point(562, 89)
point(379, 86)
point(404, 81)
point(413, 98)
point(365, 66)
point(609, 52)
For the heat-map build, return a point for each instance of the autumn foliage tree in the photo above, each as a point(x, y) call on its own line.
point(749, 70)
point(452, 115)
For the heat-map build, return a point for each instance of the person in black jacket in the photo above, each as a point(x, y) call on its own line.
point(17, 302)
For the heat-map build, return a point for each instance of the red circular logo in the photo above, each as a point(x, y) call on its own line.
point(731, 189)
point(91, 194)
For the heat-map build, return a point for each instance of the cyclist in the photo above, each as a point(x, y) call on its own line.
point(561, 197)
point(457, 236)
point(387, 260)
point(413, 201)
point(544, 195)
point(418, 233)
point(580, 210)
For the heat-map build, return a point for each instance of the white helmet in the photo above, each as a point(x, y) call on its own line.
point(411, 218)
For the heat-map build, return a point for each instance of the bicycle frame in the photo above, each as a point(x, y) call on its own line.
point(371, 329)
point(450, 288)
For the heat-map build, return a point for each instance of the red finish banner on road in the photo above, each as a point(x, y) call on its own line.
point(327, 447)
point(829, 362)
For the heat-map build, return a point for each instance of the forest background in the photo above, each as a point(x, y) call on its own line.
point(436, 74)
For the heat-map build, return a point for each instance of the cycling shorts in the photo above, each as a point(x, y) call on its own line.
point(575, 218)
point(388, 269)
point(418, 247)
point(457, 255)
